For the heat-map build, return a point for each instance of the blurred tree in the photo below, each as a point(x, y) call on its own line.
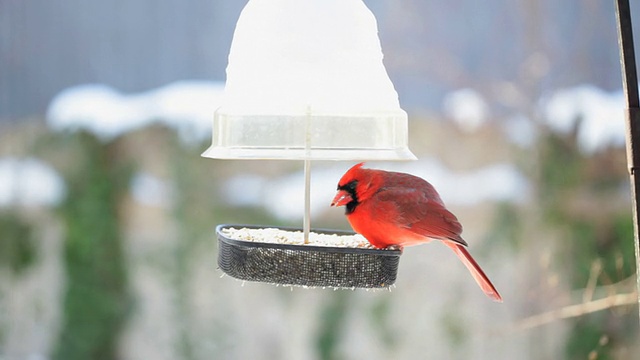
point(577, 196)
point(381, 320)
point(17, 248)
point(332, 326)
point(97, 297)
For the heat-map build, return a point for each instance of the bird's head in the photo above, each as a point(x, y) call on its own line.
point(354, 187)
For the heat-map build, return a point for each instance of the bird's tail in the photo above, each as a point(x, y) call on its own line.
point(475, 270)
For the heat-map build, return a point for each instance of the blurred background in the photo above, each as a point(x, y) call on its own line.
point(107, 210)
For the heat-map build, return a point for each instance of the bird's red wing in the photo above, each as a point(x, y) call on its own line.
point(415, 212)
point(406, 181)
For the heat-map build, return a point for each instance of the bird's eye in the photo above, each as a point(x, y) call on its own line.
point(350, 186)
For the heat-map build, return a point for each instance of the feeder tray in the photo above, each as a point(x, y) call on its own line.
point(306, 265)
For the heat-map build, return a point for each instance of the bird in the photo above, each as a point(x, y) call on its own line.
point(394, 210)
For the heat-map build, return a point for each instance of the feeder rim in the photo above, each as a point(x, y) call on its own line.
point(325, 249)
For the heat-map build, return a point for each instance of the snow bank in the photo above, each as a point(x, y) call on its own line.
point(29, 182)
point(186, 106)
point(598, 116)
point(467, 108)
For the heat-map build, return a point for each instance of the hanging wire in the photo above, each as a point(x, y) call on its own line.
point(632, 115)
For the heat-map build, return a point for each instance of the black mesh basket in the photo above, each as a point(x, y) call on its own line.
point(306, 265)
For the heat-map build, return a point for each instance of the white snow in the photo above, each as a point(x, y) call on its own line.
point(598, 115)
point(186, 106)
point(467, 108)
point(29, 182)
point(520, 130)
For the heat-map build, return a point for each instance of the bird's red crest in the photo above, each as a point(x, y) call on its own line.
point(351, 174)
point(365, 182)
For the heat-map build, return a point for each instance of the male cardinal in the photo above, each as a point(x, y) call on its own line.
point(397, 209)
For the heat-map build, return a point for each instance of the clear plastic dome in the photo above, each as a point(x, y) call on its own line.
point(305, 80)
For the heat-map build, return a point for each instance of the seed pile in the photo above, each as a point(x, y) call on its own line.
point(279, 236)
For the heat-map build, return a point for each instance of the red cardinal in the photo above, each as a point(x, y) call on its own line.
point(396, 209)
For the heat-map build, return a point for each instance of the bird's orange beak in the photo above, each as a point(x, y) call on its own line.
point(342, 198)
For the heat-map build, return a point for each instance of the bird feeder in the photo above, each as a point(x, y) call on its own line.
point(305, 81)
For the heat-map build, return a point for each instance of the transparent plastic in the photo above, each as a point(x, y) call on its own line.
point(374, 137)
point(305, 80)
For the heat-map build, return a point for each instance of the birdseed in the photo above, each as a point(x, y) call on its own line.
point(279, 236)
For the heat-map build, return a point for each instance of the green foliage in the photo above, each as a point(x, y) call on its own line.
point(507, 229)
point(191, 214)
point(380, 319)
point(591, 233)
point(560, 172)
point(453, 324)
point(197, 210)
point(97, 298)
point(17, 247)
point(587, 340)
point(610, 243)
point(621, 261)
point(332, 326)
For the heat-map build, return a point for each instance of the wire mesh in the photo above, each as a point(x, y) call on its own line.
point(307, 265)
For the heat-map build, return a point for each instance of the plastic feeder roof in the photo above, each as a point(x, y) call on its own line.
point(305, 80)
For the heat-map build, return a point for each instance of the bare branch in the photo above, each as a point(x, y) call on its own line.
point(576, 310)
point(596, 270)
